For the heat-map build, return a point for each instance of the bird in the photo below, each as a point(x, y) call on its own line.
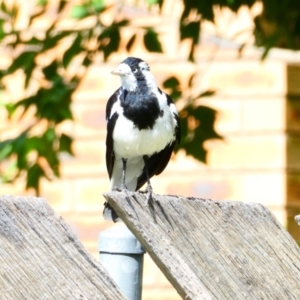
point(143, 128)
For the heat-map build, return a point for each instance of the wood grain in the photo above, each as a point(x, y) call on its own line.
point(214, 249)
point(40, 257)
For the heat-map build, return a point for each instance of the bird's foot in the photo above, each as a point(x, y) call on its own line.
point(149, 192)
point(122, 188)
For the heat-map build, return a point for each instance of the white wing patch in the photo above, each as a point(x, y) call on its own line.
point(116, 108)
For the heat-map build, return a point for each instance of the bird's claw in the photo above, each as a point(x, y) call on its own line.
point(149, 192)
point(122, 188)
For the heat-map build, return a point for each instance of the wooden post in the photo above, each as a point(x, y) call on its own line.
point(41, 258)
point(214, 249)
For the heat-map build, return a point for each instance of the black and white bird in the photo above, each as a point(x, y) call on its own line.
point(142, 130)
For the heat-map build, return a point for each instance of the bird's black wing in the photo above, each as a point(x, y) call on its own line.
point(111, 121)
point(158, 161)
point(156, 164)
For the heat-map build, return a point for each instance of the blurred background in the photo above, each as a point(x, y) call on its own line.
point(233, 68)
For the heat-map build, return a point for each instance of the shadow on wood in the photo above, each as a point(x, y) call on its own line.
point(214, 249)
point(41, 258)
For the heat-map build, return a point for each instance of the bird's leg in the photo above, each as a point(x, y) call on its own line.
point(123, 186)
point(149, 187)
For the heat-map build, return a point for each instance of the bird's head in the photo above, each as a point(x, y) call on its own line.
point(134, 71)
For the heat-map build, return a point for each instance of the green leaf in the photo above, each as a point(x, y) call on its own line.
point(207, 93)
point(53, 162)
point(62, 4)
point(79, 12)
point(171, 83)
point(6, 149)
point(152, 2)
point(205, 9)
point(65, 144)
point(34, 41)
point(28, 72)
point(2, 32)
point(26, 103)
point(3, 6)
point(74, 49)
point(190, 30)
point(25, 61)
point(190, 83)
point(175, 95)
point(49, 135)
point(206, 117)
point(194, 138)
point(11, 108)
point(130, 43)
point(53, 38)
point(121, 23)
point(109, 41)
point(50, 71)
point(98, 5)
point(19, 142)
point(87, 59)
point(160, 3)
point(42, 2)
point(151, 41)
point(33, 143)
point(36, 15)
point(34, 175)
point(10, 172)
point(191, 54)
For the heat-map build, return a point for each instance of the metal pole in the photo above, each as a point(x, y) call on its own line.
point(122, 256)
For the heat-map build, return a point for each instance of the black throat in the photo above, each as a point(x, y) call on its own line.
point(140, 106)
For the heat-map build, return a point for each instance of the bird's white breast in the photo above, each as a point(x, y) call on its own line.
point(130, 142)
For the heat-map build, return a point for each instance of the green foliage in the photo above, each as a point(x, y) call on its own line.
point(278, 25)
point(151, 41)
point(49, 82)
point(48, 86)
point(197, 122)
point(30, 154)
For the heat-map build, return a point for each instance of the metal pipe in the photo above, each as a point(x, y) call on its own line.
point(122, 256)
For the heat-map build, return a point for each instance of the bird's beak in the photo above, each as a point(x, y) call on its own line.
point(118, 72)
point(121, 70)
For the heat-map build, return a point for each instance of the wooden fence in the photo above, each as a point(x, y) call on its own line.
point(207, 249)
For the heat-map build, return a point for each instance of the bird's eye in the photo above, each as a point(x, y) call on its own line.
point(135, 70)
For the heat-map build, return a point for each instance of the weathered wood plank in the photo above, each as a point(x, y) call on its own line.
point(40, 257)
point(214, 249)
